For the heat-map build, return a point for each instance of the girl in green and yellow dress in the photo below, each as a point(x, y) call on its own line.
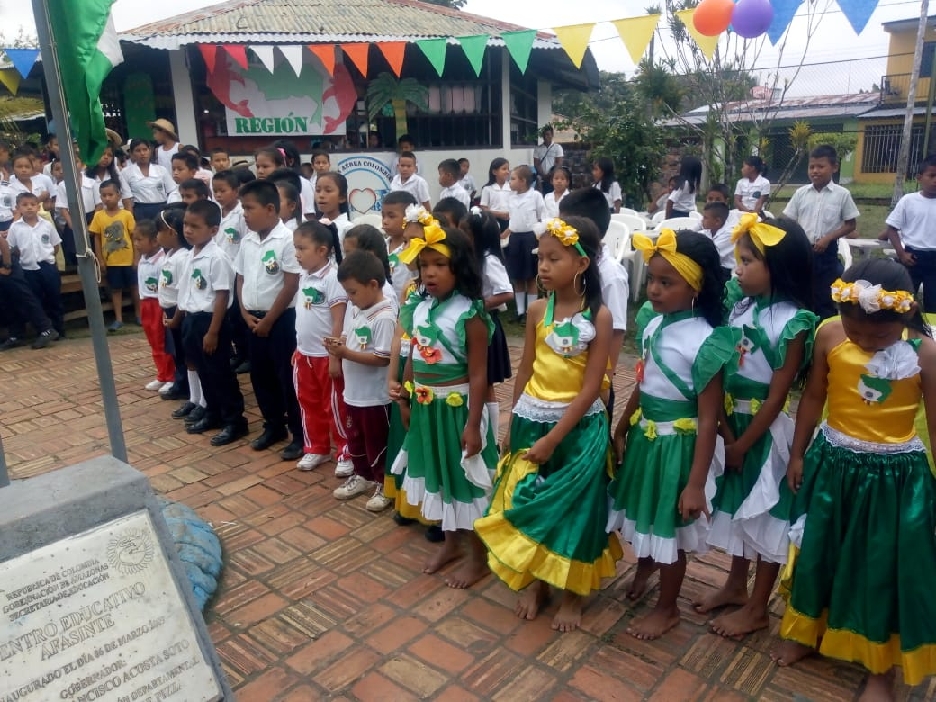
point(546, 523)
point(861, 586)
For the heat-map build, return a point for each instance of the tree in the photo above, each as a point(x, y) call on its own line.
point(385, 90)
point(612, 87)
point(22, 40)
point(454, 4)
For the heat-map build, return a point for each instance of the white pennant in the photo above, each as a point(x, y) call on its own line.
point(265, 54)
point(293, 54)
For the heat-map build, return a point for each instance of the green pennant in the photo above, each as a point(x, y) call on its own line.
point(520, 44)
point(474, 47)
point(434, 49)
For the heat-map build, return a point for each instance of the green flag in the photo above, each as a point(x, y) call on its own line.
point(474, 47)
point(87, 51)
point(519, 45)
point(435, 50)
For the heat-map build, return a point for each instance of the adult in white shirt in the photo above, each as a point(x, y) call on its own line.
point(149, 183)
point(164, 133)
point(546, 156)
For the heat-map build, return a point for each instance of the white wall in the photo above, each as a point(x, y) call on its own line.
point(184, 97)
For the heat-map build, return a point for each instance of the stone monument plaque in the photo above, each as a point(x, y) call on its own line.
point(97, 617)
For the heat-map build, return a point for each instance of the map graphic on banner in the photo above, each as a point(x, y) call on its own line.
point(258, 102)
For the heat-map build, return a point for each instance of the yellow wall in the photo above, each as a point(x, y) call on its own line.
point(900, 57)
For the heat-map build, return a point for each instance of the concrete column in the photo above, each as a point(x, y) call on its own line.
point(505, 97)
point(543, 102)
point(184, 97)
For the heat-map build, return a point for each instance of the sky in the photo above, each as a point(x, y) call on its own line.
point(845, 62)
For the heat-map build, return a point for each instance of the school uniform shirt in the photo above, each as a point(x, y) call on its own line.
point(174, 196)
point(820, 212)
point(369, 331)
point(682, 199)
point(148, 189)
point(752, 190)
point(307, 197)
point(342, 224)
point(400, 274)
point(7, 201)
point(204, 175)
point(164, 156)
point(494, 279)
point(468, 183)
point(90, 195)
point(115, 231)
point(915, 218)
point(170, 272)
point(38, 185)
point(551, 204)
point(318, 293)
point(232, 230)
point(204, 275)
point(615, 288)
point(722, 240)
point(395, 164)
point(415, 185)
point(149, 269)
point(458, 192)
point(526, 209)
point(36, 243)
point(125, 192)
point(263, 264)
point(613, 195)
point(291, 224)
point(495, 197)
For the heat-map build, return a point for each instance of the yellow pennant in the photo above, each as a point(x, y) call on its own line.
point(707, 44)
point(10, 77)
point(574, 39)
point(636, 33)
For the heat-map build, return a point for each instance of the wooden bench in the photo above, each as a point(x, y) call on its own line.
point(71, 290)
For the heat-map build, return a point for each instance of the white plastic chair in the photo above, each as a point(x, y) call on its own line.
point(678, 223)
point(845, 252)
point(628, 211)
point(696, 215)
point(634, 223)
point(658, 216)
point(372, 218)
point(634, 262)
point(617, 238)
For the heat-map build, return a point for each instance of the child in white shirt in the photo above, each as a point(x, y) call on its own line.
point(37, 242)
point(496, 193)
point(407, 179)
point(449, 173)
point(714, 225)
point(526, 210)
point(753, 189)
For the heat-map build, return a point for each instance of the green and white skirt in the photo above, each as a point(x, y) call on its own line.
point(547, 522)
point(448, 486)
point(862, 579)
point(749, 519)
point(645, 492)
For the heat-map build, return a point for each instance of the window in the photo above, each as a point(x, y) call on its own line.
point(881, 144)
point(523, 112)
point(926, 65)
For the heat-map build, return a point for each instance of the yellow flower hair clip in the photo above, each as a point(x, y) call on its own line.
point(762, 234)
point(417, 214)
point(871, 298)
point(567, 236)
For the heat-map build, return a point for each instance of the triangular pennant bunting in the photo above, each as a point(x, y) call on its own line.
point(11, 79)
point(209, 52)
point(858, 12)
point(706, 44)
point(574, 39)
point(434, 49)
point(293, 54)
point(358, 55)
point(637, 33)
point(238, 52)
point(325, 54)
point(519, 45)
point(474, 47)
point(264, 52)
point(22, 59)
point(393, 51)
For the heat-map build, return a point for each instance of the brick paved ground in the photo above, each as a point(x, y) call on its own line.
point(323, 600)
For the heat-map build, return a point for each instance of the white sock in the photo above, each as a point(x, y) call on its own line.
point(194, 384)
point(531, 298)
point(494, 418)
point(202, 402)
point(521, 302)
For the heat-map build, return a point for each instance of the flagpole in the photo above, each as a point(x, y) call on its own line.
point(86, 265)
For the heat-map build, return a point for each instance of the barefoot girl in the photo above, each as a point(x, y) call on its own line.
point(449, 452)
point(861, 585)
point(776, 328)
point(546, 523)
point(673, 453)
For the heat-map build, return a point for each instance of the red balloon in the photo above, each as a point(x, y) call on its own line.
point(712, 17)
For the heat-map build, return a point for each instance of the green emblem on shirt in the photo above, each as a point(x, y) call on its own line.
point(363, 337)
point(394, 262)
point(232, 235)
point(200, 282)
point(427, 336)
point(46, 239)
point(566, 335)
point(270, 262)
point(874, 390)
point(312, 297)
point(151, 284)
point(165, 278)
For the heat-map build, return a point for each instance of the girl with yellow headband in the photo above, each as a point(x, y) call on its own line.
point(546, 524)
point(667, 437)
point(774, 324)
point(860, 588)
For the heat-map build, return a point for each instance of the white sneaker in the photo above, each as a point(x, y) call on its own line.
point(353, 486)
point(311, 460)
point(154, 385)
point(166, 387)
point(344, 467)
point(378, 503)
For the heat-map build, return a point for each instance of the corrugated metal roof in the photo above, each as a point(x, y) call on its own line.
point(891, 112)
point(812, 106)
point(311, 21)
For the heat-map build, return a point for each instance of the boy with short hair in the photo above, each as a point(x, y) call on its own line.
point(20, 303)
point(827, 213)
point(714, 225)
point(450, 212)
point(225, 186)
point(364, 350)
point(393, 219)
point(321, 164)
point(267, 281)
point(204, 297)
point(220, 160)
point(466, 180)
point(192, 190)
point(407, 179)
point(113, 228)
point(184, 168)
point(449, 173)
point(911, 229)
point(405, 144)
point(720, 193)
point(37, 242)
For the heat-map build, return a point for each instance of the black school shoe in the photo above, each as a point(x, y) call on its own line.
point(293, 451)
point(176, 392)
point(184, 410)
point(229, 434)
point(44, 339)
point(11, 343)
point(268, 438)
point(403, 521)
point(196, 415)
point(206, 424)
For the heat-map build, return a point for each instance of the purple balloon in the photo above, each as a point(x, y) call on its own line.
point(751, 18)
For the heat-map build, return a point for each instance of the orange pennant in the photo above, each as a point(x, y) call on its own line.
point(393, 51)
point(325, 54)
point(358, 54)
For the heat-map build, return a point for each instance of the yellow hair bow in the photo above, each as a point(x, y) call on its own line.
point(665, 246)
point(434, 238)
point(762, 234)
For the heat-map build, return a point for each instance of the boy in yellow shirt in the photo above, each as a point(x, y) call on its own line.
point(113, 229)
